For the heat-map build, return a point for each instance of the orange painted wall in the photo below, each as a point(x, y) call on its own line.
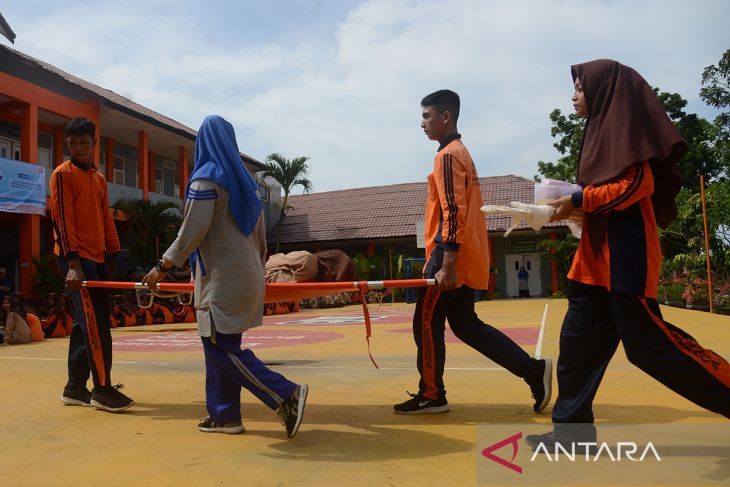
point(33, 98)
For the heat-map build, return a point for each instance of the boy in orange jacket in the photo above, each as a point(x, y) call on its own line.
point(457, 255)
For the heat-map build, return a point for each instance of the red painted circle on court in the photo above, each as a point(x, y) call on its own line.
point(187, 341)
point(338, 319)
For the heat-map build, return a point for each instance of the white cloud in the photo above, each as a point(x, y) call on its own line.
point(348, 95)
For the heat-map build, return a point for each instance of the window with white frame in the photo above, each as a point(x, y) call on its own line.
point(169, 176)
point(159, 180)
point(45, 150)
point(118, 170)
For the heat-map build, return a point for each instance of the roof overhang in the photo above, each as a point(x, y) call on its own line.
point(5, 30)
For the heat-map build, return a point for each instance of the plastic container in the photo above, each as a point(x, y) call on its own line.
point(552, 189)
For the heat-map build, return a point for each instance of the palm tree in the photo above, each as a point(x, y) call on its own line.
point(152, 226)
point(288, 173)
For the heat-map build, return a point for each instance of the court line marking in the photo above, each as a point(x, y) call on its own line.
point(538, 348)
point(65, 360)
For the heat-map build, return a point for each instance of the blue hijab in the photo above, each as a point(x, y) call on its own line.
point(217, 159)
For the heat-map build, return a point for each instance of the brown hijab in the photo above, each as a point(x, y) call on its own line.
point(626, 124)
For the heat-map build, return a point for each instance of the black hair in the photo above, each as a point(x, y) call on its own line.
point(81, 126)
point(443, 100)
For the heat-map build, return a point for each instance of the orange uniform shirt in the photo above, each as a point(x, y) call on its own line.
point(453, 214)
point(161, 314)
point(36, 329)
point(82, 224)
point(631, 256)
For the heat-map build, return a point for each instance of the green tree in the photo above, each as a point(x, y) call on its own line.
point(716, 92)
point(709, 155)
point(152, 225)
point(288, 173)
point(569, 132)
point(697, 133)
point(684, 239)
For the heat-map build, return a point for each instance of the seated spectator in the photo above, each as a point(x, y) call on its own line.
point(122, 311)
point(184, 314)
point(143, 316)
point(56, 324)
point(36, 306)
point(34, 323)
point(5, 288)
point(161, 313)
point(19, 301)
point(16, 328)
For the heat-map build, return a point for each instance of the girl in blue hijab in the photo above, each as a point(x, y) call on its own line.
point(223, 230)
point(218, 159)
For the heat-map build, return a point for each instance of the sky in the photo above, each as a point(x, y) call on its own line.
point(341, 81)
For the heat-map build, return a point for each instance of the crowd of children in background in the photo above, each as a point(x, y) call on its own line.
point(29, 319)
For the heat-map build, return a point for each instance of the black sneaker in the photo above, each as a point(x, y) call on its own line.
point(540, 383)
point(291, 411)
point(207, 425)
point(110, 399)
point(76, 397)
point(420, 405)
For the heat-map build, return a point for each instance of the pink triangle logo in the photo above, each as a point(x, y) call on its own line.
point(487, 452)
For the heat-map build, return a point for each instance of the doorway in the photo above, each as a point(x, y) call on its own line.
point(531, 263)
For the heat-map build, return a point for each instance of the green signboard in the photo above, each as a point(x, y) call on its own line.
point(524, 246)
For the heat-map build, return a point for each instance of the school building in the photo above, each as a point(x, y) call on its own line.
point(386, 221)
point(142, 153)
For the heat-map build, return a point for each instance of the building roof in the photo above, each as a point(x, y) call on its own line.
point(383, 211)
point(116, 101)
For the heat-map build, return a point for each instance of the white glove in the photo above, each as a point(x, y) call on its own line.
point(536, 216)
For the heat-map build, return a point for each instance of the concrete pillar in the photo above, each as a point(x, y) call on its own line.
point(30, 225)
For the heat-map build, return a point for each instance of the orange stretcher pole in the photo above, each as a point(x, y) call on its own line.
point(278, 291)
point(291, 291)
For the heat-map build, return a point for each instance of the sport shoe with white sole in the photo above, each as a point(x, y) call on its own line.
point(420, 405)
point(207, 425)
point(110, 399)
point(76, 397)
point(291, 411)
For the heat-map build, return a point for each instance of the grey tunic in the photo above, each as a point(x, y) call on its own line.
point(229, 276)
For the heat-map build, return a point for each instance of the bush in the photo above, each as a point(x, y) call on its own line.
point(672, 291)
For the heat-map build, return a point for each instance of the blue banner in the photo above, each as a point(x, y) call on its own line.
point(22, 187)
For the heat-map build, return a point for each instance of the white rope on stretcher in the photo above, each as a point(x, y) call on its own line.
point(140, 292)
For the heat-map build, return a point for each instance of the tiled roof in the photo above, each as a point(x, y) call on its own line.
point(383, 211)
point(117, 101)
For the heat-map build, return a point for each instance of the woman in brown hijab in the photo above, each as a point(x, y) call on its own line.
point(629, 175)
